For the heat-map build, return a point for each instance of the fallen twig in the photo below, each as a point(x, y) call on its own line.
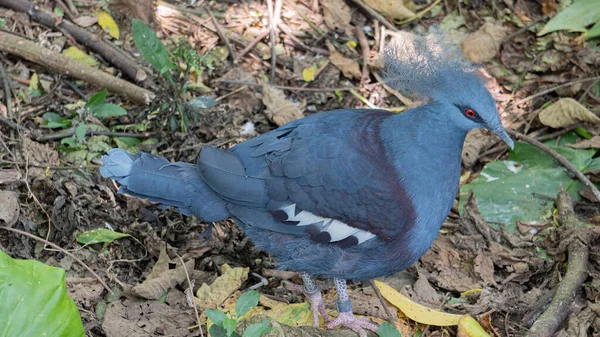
point(28, 50)
point(562, 160)
point(547, 91)
point(421, 13)
point(55, 246)
point(107, 51)
point(69, 133)
point(251, 45)
point(222, 35)
point(576, 273)
point(374, 15)
point(7, 92)
point(366, 52)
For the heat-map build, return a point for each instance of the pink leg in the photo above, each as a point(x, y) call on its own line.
point(346, 318)
point(314, 297)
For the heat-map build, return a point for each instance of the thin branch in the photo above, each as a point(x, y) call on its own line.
point(69, 133)
point(421, 13)
point(373, 14)
point(366, 52)
point(562, 160)
point(222, 34)
point(542, 93)
point(287, 87)
point(55, 246)
point(7, 92)
point(251, 45)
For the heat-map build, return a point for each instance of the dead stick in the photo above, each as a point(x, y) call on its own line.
point(578, 252)
point(562, 160)
point(251, 45)
point(69, 133)
point(56, 62)
point(364, 47)
point(108, 52)
point(222, 34)
point(372, 13)
point(62, 250)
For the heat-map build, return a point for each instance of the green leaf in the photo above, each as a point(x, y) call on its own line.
point(217, 331)
point(523, 187)
point(2, 22)
point(59, 12)
point(34, 301)
point(99, 236)
point(151, 48)
point(202, 102)
point(388, 330)
point(229, 325)
point(594, 31)
point(54, 120)
point(107, 110)
point(256, 329)
point(216, 316)
point(575, 18)
point(80, 132)
point(97, 99)
point(247, 301)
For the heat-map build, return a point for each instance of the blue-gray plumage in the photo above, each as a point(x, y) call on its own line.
point(349, 194)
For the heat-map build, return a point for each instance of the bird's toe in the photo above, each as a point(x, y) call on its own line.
point(348, 320)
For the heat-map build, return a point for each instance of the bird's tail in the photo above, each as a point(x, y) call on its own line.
point(170, 184)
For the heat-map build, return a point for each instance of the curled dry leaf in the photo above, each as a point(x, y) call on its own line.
point(565, 112)
point(484, 44)
point(394, 9)
point(279, 109)
point(337, 14)
point(349, 67)
point(9, 208)
point(592, 143)
point(156, 287)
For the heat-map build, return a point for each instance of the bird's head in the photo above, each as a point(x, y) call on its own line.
point(434, 70)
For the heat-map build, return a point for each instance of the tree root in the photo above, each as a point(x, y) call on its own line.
point(577, 250)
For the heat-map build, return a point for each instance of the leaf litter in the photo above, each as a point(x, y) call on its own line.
point(473, 268)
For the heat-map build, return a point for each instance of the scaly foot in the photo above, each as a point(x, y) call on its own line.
point(314, 299)
point(348, 320)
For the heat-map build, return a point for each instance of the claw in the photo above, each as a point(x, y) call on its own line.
point(348, 320)
point(317, 306)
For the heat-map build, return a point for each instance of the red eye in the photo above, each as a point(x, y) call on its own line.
point(470, 113)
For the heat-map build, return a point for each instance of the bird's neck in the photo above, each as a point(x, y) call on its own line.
point(425, 149)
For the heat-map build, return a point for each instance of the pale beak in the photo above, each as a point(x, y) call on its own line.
point(505, 137)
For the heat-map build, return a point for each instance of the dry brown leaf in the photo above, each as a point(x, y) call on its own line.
point(484, 44)
point(484, 267)
point(279, 109)
point(156, 287)
point(394, 9)
point(565, 112)
point(477, 140)
point(9, 176)
point(9, 208)
point(425, 291)
point(86, 21)
point(337, 14)
point(224, 285)
point(348, 67)
point(592, 143)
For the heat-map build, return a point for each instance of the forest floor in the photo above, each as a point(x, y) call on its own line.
point(51, 147)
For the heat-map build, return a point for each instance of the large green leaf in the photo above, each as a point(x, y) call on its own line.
point(151, 48)
point(34, 301)
point(523, 187)
point(575, 18)
point(247, 301)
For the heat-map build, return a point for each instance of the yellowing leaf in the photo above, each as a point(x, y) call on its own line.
point(308, 74)
point(297, 314)
point(34, 83)
point(222, 287)
point(565, 112)
point(107, 23)
point(416, 311)
point(469, 327)
point(80, 56)
point(351, 44)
